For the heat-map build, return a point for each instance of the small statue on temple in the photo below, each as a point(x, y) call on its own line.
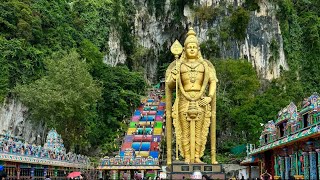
point(29, 150)
point(6, 147)
point(14, 147)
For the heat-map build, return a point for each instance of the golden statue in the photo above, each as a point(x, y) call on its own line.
point(194, 81)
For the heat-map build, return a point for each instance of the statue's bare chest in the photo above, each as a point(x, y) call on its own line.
point(192, 75)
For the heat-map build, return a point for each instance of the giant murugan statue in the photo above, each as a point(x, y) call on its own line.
point(194, 110)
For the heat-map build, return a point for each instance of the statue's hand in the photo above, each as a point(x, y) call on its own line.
point(174, 73)
point(204, 101)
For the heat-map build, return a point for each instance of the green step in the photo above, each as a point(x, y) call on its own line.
point(132, 124)
point(154, 107)
point(158, 125)
point(147, 108)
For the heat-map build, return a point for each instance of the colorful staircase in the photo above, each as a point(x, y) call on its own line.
point(145, 129)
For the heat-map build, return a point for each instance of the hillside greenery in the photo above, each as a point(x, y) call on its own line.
point(51, 57)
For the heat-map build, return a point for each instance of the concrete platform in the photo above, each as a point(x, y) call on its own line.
point(178, 170)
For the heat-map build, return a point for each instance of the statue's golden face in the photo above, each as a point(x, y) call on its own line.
point(192, 50)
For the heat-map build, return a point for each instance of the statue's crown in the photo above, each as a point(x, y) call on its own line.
point(191, 37)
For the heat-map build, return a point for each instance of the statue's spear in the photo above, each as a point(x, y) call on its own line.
point(176, 50)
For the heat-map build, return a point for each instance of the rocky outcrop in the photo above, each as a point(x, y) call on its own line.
point(156, 33)
point(263, 29)
point(116, 54)
point(13, 117)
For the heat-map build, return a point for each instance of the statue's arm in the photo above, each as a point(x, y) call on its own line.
point(212, 88)
point(212, 80)
point(171, 81)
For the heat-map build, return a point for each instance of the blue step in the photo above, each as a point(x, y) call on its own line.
point(121, 153)
point(145, 146)
point(137, 113)
point(154, 154)
point(160, 113)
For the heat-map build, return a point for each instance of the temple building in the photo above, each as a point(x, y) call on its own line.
point(290, 145)
point(22, 160)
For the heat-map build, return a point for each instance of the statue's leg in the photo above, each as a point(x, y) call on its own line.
point(185, 136)
point(199, 140)
point(204, 136)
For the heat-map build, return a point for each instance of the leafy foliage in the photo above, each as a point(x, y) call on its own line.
point(239, 115)
point(237, 89)
point(243, 102)
point(177, 6)
point(239, 23)
point(21, 62)
point(165, 58)
point(275, 54)
point(206, 13)
point(210, 48)
point(33, 30)
point(156, 6)
point(65, 96)
point(121, 93)
point(300, 25)
point(4, 79)
point(252, 5)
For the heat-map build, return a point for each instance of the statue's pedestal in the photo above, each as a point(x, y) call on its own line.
point(178, 170)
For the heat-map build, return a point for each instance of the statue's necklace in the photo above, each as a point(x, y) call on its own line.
point(193, 73)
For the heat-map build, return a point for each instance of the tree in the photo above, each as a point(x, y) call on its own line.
point(65, 98)
point(121, 94)
point(236, 91)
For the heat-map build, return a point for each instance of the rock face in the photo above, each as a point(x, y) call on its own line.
point(13, 116)
point(158, 33)
point(263, 29)
point(116, 53)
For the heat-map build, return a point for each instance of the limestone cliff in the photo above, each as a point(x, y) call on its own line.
point(157, 31)
point(116, 53)
point(13, 116)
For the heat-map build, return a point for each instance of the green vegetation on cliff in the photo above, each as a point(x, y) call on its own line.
point(51, 55)
point(300, 25)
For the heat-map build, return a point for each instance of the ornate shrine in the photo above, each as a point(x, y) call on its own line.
point(24, 160)
point(290, 145)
